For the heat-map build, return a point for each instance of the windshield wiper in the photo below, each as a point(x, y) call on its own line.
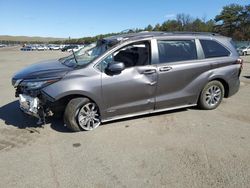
point(75, 57)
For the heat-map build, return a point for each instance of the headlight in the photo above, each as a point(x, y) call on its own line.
point(37, 84)
point(15, 83)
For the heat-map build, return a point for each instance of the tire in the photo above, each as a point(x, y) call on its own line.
point(81, 114)
point(211, 95)
point(245, 53)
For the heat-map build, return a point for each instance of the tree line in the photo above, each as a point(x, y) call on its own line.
point(233, 21)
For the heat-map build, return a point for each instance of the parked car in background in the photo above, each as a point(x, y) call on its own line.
point(3, 45)
point(75, 49)
point(244, 50)
point(34, 47)
point(130, 75)
point(62, 46)
point(41, 47)
point(54, 47)
point(65, 48)
point(28, 48)
point(46, 47)
point(69, 48)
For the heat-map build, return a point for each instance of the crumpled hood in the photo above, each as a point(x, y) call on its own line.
point(43, 70)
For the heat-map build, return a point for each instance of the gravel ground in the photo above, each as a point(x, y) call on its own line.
point(183, 148)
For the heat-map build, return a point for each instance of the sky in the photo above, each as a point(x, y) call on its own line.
point(80, 18)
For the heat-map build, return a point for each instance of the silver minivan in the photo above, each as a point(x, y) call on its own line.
point(130, 75)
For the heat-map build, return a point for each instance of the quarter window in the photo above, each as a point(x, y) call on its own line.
point(212, 49)
point(176, 50)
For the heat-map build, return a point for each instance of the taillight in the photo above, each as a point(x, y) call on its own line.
point(240, 61)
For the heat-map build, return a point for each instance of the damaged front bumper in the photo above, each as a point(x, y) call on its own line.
point(29, 105)
point(35, 105)
point(33, 100)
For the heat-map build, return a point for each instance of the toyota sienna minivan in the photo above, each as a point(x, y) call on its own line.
point(130, 75)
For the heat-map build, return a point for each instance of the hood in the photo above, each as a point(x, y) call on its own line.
point(42, 70)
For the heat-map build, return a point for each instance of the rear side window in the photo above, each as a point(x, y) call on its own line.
point(213, 49)
point(176, 50)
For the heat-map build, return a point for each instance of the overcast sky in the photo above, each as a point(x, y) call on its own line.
point(75, 18)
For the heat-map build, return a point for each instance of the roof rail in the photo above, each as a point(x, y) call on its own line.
point(140, 35)
point(193, 33)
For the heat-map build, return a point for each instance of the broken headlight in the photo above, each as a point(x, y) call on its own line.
point(29, 84)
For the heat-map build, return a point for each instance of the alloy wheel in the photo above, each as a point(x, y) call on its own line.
point(88, 117)
point(213, 95)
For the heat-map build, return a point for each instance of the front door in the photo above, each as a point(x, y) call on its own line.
point(133, 90)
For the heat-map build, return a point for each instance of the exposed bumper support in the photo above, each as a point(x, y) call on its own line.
point(29, 105)
point(33, 106)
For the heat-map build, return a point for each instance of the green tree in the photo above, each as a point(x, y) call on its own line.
point(185, 20)
point(245, 22)
point(198, 25)
point(210, 24)
point(171, 25)
point(234, 21)
point(149, 28)
point(157, 27)
point(228, 21)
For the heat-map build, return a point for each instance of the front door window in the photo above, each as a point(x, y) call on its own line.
point(137, 54)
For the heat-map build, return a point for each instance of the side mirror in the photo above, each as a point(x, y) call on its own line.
point(115, 68)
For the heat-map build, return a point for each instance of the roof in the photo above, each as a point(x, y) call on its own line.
point(145, 34)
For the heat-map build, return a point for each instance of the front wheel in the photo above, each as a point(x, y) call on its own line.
point(81, 114)
point(211, 95)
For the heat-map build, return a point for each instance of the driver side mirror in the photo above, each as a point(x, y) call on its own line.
point(115, 68)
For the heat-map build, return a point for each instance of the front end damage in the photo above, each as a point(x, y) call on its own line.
point(30, 82)
point(34, 103)
point(29, 104)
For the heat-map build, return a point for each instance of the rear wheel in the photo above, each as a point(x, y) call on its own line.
point(211, 95)
point(81, 114)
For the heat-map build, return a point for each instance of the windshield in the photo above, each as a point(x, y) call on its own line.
point(85, 55)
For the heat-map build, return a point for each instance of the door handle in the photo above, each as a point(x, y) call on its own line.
point(149, 71)
point(165, 69)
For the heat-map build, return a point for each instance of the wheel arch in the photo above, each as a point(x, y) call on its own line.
point(221, 80)
point(61, 103)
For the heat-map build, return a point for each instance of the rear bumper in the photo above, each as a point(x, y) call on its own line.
point(234, 87)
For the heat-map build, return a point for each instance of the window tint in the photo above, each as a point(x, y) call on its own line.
point(172, 51)
point(133, 55)
point(213, 49)
point(136, 54)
